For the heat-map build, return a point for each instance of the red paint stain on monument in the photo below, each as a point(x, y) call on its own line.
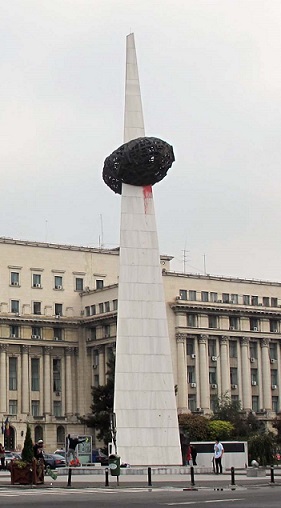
point(147, 194)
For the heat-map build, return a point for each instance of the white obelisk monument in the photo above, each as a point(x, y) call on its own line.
point(144, 399)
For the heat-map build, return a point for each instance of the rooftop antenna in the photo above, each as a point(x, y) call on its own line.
point(185, 252)
point(101, 233)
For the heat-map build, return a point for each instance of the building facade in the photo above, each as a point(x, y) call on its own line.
point(58, 315)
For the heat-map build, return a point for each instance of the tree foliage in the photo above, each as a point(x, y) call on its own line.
point(102, 407)
point(220, 428)
point(27, 451)
point(194, 427)
point(261, 448)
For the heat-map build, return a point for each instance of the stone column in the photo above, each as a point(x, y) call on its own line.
point(182, 373)
point(246, 375)
point(25, 385)
point(3, 377)
point(266, 375)
point(101, 350)
point(204, 373)
point(225, 369)
point(68, 381)
point(48, 385)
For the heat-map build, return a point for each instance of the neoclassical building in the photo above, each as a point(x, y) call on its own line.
point(58, 315)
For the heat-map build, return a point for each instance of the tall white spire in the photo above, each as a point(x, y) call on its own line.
point(133, 121)
point(144, 396)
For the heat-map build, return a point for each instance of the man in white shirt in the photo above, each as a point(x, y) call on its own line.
point(218, 453)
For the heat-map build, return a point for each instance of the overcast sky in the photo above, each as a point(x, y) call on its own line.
point(210, 74)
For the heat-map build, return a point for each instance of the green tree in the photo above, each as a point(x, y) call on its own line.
point(220, 428)
point(194, 427)
point(102, 407)
point(27, 451)
point(261, 448)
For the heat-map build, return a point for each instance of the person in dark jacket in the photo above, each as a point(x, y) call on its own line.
point(72, 445)
point(38, 449)
point(193, 455)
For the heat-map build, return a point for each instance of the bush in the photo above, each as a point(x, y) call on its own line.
point(220, 428)
point(193, 427)
point(261, 448)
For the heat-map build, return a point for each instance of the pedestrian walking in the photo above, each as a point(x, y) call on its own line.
point(193, 455)
point(2, 456)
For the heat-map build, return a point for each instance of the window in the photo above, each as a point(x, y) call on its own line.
point(191, 374)
point(58, 333)
point(58, 309)
point(254, 300)
point(101, 308)
point(183, 294)
point(106, 331)
point(36, 307)
point(232, 349)
point(204, 296)
point(93, 310)
point(213, 297)
point(274, 302)
point(234, 398)
point(35, 408)
point(96, 380)
point(189, 346)
point(14, 331)
point(246, 299)
point(57, 408)
point(212, 347)
point(61, 436)
point(273, 325)
point(254, 377)
point(192, 402)
point(254, 324)
point(265, 301)
point(275, 404)
point(56, 375)
point(274, 377)
point(36, 332)
point(212, 375)
point(192, 320)
point(15, 279)
point(13, 407)
point(115, 304)
point(35, 376)
point(13, 363)
point(233, 323)
point(255, 403)
point(99, 283)
point(15, 306)
point(233, 376)
point(93, 332)
point(225, 297)
point(273, 350)
point(36, 280)
point(253, 349)
point(213, 321)
point(192, 295)
point(96, 359)
point(87, 311)
point(106, 307)
point(234, 299)
point(79, 284)
point(58, 282)
point(213, 403)
point(38, 433)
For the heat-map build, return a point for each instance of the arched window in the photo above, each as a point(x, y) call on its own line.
point(38, 433)
point(61, 435)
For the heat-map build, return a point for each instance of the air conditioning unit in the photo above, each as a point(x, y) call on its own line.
point(275, 330)
point(255, 329)
point(37, 285)
point(219, 301)
point(214, 358)
point(232, 328)
point(252, 360)
point(254, 383)
point(214, 386)
point(15, 283)
point(274, 387)
point(34, 336)
point(233, 387)
point(273, 360)
point(57, 394)
point(193, 356)
point(199, 409)
point(58, 287)
point(95, 366)
point(57, 338)
point(193, 385)
point(178, 298)
point(13, 335)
